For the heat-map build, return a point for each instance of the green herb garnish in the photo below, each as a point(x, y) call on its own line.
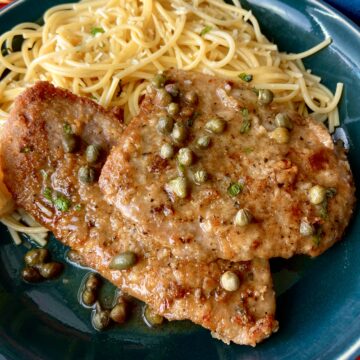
point(47, 193)
point(180, 167)
point(97, 30)
point(317, 236)
point(62, 203)
point(67, 129)
point(26, 149)
point(205, 30)
point(248, 150)
point(246, 123)
point(235, 189)
point(77, 207)
point(323, 207)
point(245, 77)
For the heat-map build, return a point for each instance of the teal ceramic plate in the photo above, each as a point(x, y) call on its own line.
point(318, 300)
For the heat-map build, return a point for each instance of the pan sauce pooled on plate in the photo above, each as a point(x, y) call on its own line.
point(55, 180)
point(218, 165)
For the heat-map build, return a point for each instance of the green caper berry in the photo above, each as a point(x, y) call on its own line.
point(191, 97)
point(167, 151)
point(173, 90)
point(203, 142)
point(50, 270)
point(179, 133)
point(200, 176)
point(118, 313)
point(317, 194)
point(101, 319)
point(92, 153)
point(164, 97)
point(229, 281)
point(216, 126)
point(185, 156)
point(151, 318)
point(282, 120)
point(123, 261)
point(306, 229)
point(158, 81)
point(265, 96)
point(165, 124)
point(179, 187)
point(88, 297)
point(31, 275)
point(86, 175)
point(243, 217)
point(173, 109)
point(70, 143)
point(92, 282)
point(36, 257)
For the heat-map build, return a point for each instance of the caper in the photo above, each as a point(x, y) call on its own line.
point(159, 81)
point(123, 261)
point(36, 257)
point(151, 317)
point(243, 217)
point(265, 96)
point(306, 229)
point(179, 187)
point(173, 89)
point(89, 297)
point(164, 97)
point(167, 151)
point(50, 270)
point(317, 194)
point(185, 156)
point(86, 174)
point(216, 125)
point(203, 142)
point(70, 142)
point(191, 97)
point(179, 133)
point(282, 120)
point(92, 282)
point(200, 176)
point(101, 318)
point(92, 154)
point(118, 313)
point(31, 275)
point(280, 135)
point(229, 281)
point(173, 109)
point(165, 124)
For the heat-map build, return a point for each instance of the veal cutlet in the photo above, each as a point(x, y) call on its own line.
point(213, 163)
point(50, 175)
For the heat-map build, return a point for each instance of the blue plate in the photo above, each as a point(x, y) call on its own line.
point(318, 300)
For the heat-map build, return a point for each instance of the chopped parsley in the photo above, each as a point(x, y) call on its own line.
point(245, 77)
point(205, 30)
point(235, 189)
point(77, 207)
point(67, 129)
point(97, 30)
point(317, 236)
point(246, 122)
point(26, 149)
point(180, 167)
point(47, 193)
point(62, 203)
point(248, 150)
point(323, 207)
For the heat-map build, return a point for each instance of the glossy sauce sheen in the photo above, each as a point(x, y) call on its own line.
point(177, 289)
point(276, 177)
